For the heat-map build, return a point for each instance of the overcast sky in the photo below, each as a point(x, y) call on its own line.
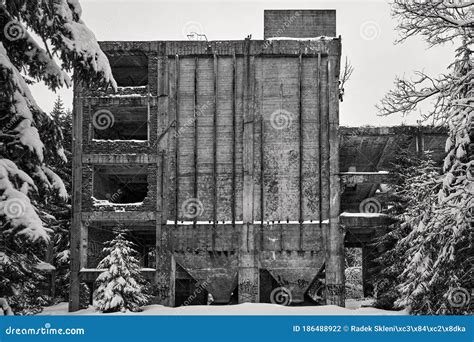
point(367, 30)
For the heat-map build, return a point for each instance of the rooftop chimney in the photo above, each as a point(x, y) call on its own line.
point(299, 23)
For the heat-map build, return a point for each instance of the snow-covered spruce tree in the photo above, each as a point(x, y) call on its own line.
point(438, 273)
point(120, 286)
point(34, 36)
point(414, 184)
point(61, 210)
point(353, 273)
point(19, 279)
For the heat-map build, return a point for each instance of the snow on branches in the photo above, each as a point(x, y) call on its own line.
point(438, 21)
point(40, 40)
point(65, 36)
point(120, 285)
point(440, 238)
point(15, 205)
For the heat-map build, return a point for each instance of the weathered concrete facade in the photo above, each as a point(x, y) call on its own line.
point(222, 159)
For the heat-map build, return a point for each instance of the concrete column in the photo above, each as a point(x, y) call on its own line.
point(248, 265)
point(165, 264)
point(335, 236)
point(165, 275)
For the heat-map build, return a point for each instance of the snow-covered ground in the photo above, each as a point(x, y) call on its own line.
point(352, 308)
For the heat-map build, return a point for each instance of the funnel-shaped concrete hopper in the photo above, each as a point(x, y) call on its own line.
point(216, 272)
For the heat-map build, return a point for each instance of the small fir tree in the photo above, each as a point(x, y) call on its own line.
point(58, 109)
point(121, 286)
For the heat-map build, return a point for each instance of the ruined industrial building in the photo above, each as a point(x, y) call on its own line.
point(226, 163)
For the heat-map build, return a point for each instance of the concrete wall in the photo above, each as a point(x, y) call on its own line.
point(278, 152)
point(299, 23)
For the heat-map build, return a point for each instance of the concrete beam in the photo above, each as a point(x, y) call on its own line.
point(280, 48)
point(392, 130)
point(360, 220)
point(127, 159)
point(118, 216)
point(362, 228)
point(364, 177)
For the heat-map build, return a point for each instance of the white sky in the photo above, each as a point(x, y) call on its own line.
point(373, 54)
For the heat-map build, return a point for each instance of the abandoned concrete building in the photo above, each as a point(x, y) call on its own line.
point(226, 163)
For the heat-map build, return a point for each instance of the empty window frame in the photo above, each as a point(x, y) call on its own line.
point(119, 184)
point(125, 122)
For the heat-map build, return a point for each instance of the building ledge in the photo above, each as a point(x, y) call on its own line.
point(358, 220)
point(124, 216)
point(365, 177)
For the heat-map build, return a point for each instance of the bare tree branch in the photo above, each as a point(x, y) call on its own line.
point(345, 77)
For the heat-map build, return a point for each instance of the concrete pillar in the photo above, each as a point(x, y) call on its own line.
point(249, 280)
point(165, 275)
point(335, 236)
